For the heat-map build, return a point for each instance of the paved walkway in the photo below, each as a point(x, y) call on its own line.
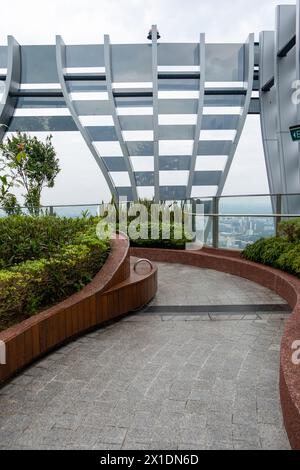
point(185, 285)
point(159, 381)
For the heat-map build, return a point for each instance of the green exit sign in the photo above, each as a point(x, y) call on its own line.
point(295, 133)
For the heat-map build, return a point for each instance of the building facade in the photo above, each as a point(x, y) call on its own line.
point(279, 107)
point(162, 120)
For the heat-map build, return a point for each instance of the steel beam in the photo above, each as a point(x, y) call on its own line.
point(249, 72)
point(126, 156)
point(155, 113)
point(12, 85)
point(61, 65)
point(199, 115)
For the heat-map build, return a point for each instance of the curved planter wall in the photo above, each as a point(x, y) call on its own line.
point(288, 287)
point(114, 291)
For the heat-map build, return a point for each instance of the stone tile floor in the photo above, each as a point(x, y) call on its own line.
point(158, 382)
point(186, 285)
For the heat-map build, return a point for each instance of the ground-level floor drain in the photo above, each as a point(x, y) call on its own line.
point(215, 309)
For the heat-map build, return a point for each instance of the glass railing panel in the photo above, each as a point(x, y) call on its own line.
point(208, 233)
point(246, 205)
point(291, 204)
point(75, 211)
point(62, 211)
point(202, 220)
point(238, 232)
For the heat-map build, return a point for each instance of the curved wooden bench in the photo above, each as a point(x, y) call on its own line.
point(114, 291)
point(286, 286)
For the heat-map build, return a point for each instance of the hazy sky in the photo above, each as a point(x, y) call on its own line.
point(37, 22)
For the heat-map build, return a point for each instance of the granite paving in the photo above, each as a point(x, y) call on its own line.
point(160, 381)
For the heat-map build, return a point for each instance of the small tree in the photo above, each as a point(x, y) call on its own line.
point(8, 201)
point(31, 164)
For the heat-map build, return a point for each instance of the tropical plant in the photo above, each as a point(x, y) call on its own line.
point(31, 164)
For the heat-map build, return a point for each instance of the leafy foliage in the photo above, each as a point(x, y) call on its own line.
point(10, 204)
point(280, 252)
point(290, 229)
point(8, 201)
point(290, 261)
point(64, 256)
point(31, 164)
point(267, 251)
point(175, 239)
point(162, 220)
point(30, 238)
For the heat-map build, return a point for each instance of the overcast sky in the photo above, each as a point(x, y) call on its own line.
point(78, 21)
point(84, 21)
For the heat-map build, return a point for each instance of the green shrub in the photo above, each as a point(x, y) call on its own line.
point(13, 288)
point(290, 260)
point(273, 249)
point(290, 229)
point(72, 262)
point(276, 252)
point(254, 252)
point(267, 251)
point(27, 238)
point(171, 241)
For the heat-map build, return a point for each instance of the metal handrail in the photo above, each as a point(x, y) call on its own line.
point(143, 260)
point(268, 216)
point(215, 216)
point(271, 195)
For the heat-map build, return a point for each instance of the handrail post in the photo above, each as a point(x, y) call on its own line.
point(278, 212)
point(215, 222)
point(194, 215)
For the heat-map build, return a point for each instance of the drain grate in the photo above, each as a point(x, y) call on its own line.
point(221, 309)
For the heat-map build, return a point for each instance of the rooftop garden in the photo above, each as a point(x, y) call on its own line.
point(45, 258)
